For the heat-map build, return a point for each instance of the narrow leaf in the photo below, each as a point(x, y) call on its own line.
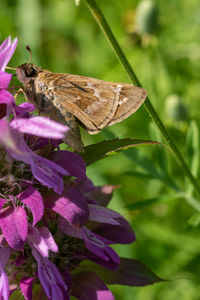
point(102, 149)
point(192, 142)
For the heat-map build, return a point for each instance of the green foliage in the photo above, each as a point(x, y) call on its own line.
point(102, 149)
point(160, 203)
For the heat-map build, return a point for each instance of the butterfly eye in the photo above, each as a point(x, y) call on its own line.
point(30, 71)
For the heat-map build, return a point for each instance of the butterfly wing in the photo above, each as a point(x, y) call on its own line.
point(131, 98)
point(96, 103)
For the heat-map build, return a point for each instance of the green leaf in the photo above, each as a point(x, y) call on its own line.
point(140, 175)
point(194, 220)
point(130, 272)
point(192, 142)
point(152, 201)
point(102, 149)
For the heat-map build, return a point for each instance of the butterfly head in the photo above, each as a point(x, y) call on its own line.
point(26, 72)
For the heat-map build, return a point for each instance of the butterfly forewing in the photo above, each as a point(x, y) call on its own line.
point(96, 103)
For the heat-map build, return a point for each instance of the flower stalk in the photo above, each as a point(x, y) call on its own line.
point(98, 15)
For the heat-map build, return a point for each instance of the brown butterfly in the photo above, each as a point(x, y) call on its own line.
point(73, 99)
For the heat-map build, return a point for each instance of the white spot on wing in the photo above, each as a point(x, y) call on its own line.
point(124, 100)
point(91, 86)
point(117, 89)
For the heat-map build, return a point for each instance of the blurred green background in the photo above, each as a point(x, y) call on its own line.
point(162, 42)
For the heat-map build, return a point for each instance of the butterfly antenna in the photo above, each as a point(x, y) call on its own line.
point(29, 50)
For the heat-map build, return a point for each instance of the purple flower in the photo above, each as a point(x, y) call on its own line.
point(7, 49)
point(50, 278)
point(97, 244)
point(46, 171)
point(50, 208)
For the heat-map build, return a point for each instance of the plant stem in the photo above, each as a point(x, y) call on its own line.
point(98, 15)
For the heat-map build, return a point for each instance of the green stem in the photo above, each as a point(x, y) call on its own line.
point(148, 105)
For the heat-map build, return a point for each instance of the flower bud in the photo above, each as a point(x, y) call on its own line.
point(146, 17)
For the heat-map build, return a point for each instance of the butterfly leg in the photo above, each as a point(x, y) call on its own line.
point(20, 91)
point(73, 136)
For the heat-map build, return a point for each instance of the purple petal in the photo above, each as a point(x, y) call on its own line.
point(26, 287)
point(122, 233)
point(50, 278)
point(108, 264)
point(48, 173)
point(5, 79)
point(13, 223)
point(38, 142)
point(5, 44)
point(101, 194)
point(42, 240)
point(48, 238)
point(6, 137)
point(4, 284)
point(97, 245)
point(94, 243)
point(87, 186)
point(40, 126)
point(44, 170)
point(26, 107)
point(23, 110)
point(103, 215)
point(72, 206)
point(72, 162)
point(4, 255)
point(7, 49)
point(16, 147)
point(7, 99)
point(32, 198)
point(88, 286)
point(65, 227)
